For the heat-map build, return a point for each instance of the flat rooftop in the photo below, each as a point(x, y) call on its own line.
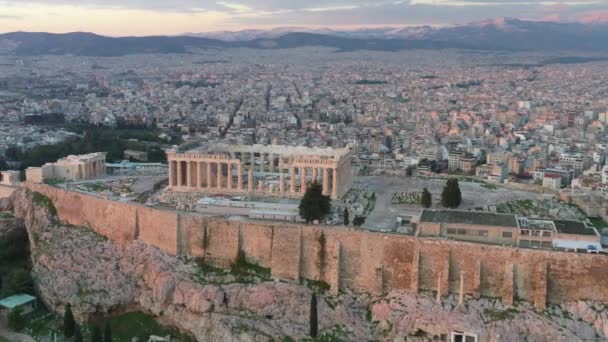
point(469, 217)
point(573, 227)
point(16, 300)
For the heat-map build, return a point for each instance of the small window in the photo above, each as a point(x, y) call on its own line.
point(524, 243)
point(462, 232)
point(546, 233)
point(524, 232)
point(482, 232)
point(546, 244)
point(451, 231)
point(507, 235)
point(535, 233)
point(534, 243)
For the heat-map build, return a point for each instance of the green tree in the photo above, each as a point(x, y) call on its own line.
point(77, 334)
point(15, 319)
point(69, 324)
point(96, 334)
point(107, 333)
point(451, 197)
point(314, 205)
point(359, 221)
point(345, 217)
point(426, 199)
point(314, 319)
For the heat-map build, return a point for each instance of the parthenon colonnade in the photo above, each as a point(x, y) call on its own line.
point(280, 170)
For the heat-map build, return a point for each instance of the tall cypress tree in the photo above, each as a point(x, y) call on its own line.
point(69, 324)
point(445, 194)
point(451, 197)
point(107, 333)
point(314, 320)
point(457, 194)
point(426, 199)
point(77, 335)
point(345, 216)
point(96, 334)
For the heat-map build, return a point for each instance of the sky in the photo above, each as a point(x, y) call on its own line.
point(170, 17)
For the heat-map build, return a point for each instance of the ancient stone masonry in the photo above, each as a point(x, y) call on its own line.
point(345, 258)
point(264, 170)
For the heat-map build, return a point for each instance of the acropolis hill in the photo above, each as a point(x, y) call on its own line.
point(154, 249)
point(388, 267)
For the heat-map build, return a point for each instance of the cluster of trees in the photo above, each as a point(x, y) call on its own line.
point(94, 139)
point(451, 197)
point(72, 331)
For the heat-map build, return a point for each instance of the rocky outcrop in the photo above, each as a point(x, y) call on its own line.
point(97, 276)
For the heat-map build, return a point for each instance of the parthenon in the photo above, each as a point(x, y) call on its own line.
point(273, 170)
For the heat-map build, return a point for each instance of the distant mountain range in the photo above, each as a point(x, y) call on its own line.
point(496, 34)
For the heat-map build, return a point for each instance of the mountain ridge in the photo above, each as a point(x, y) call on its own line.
point(497, 34)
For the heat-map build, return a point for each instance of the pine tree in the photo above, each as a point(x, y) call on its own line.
point(314, 205)
point(345, 216)
point(69, 324)
point(314, 320)
point(451, 197)
point(107, 333)
point(458, 194)
point(96, 334)
point(426, 199)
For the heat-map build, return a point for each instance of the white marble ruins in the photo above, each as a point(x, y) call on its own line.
point(273, 170)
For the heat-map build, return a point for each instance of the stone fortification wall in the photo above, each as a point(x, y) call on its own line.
point(346, 258)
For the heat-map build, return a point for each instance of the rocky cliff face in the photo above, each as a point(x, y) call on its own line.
point(75, 265)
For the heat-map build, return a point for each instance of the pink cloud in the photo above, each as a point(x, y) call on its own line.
point(594, 17)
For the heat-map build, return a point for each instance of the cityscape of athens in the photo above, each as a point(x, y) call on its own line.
point(319, 171)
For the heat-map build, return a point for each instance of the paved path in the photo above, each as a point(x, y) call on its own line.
point(384, 216)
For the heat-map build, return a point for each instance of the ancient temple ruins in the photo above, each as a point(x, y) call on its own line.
point(272, 170)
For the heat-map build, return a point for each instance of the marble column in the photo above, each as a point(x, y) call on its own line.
point(272, 159)
point(282, 182)
point(230, 176)
point(261, 186)
point(179, 174)
point(261, 162)
point(189, 173)
point(325, 181)
point(209, 179)
point(302, 179)
point(220, 179)
point(199, 175)
point(171, 173)
point(250, 180)
point(335, 183)
point(292, 180)
point(239, 177)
